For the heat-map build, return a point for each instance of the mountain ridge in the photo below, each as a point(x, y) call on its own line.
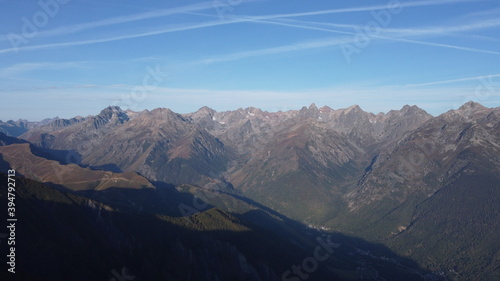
point(369, 175)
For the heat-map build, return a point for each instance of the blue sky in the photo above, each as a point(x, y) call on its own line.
point(74, 57)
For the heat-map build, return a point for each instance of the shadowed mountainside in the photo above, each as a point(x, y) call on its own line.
point(381, 177)
point(78, 238)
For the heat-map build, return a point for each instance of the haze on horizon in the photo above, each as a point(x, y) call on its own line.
point(67, 58)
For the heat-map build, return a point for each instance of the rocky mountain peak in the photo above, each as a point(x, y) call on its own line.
point(252, 111)
point(111, 109)
point(313, 107)
point(405, 174)
point(412, 111)
point(161, 117)
point(409, 108)
point(353, 109)
point(325, 109)
point(311, 112)
point(202, 113)
point(206, 110)
point(162, 112)
point(111, 115)
point(113, 112)
point(469, 111)
point(470, 107)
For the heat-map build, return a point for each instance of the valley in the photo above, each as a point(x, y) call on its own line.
point(247, 194)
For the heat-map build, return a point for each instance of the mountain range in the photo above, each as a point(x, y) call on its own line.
point(404, 194)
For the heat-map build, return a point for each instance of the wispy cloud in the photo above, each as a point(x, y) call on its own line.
point(406, 32)
point(191, 9)
point(365, 8)
point(328, 42)
point(299, 46)
point(489, 12)
point(450, 81)
point(123, 19)
point(163, 30)
point(21, 68)
point(307, 25)
point(442, 45)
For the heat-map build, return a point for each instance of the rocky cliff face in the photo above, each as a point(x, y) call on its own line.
point(159, 144)
point(384, 177)
point(208, 146)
